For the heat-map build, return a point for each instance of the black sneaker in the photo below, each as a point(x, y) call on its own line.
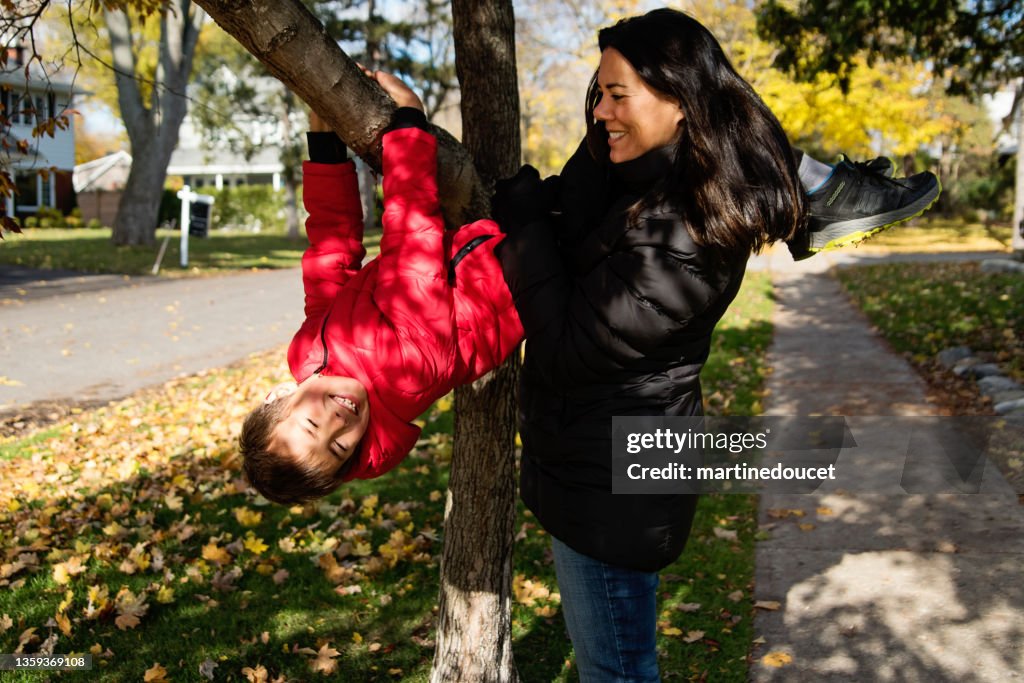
point(859, 200)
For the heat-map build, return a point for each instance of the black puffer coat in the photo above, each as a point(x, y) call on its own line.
point(618, 321)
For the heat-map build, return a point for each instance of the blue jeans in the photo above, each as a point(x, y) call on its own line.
point(611, 614)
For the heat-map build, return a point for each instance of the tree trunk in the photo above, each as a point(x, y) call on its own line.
point(474, 632)
point(1018, 195)
point(153, 129)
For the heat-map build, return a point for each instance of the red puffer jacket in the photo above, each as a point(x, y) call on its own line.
point(407, 325)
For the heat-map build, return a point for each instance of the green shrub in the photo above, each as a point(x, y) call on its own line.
point(257, 208)
point(76, 213)
point(72, 221)
point(94, 224)
point(170, 208)
point(30, 222)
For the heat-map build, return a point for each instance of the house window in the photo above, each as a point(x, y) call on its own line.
point(26, 186)
point(46, 184)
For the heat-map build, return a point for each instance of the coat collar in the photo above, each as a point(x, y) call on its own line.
point(640, 174)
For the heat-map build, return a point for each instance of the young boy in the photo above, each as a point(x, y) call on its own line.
point(382, 342)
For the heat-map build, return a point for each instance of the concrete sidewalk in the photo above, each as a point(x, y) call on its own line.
point(876, 586)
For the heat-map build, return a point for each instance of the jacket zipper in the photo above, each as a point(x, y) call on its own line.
point(463, 253)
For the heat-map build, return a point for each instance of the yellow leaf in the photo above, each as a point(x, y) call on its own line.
point(165, 595)
point(13, 506)
point(255, 545)
point(63, 623)
point(776, 659)
point(547, 611)
point(824, 512)
point(356, 638)
point(672, 631)
point(216, 554)
point(806, 526)
point(155, 674)
point(247, 517)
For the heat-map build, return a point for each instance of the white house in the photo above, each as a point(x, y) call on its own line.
point(199, 165)
point(25, 103)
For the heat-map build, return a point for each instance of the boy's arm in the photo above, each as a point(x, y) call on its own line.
point(330, 193)
point(412, 289)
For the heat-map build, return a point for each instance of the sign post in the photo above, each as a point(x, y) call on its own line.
point(195, 218)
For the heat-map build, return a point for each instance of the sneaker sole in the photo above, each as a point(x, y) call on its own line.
point(853, 232)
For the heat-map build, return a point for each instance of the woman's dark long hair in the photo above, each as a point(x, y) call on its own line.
point(734, 177)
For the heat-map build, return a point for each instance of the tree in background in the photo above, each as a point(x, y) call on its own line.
point(152, 120)
point(976, 46)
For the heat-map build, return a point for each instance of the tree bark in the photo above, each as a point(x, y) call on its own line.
point(1018, 194)
point(474, 633)
point(153, 129)
point(295, 47)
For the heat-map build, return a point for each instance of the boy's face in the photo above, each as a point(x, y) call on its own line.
point(325, 418)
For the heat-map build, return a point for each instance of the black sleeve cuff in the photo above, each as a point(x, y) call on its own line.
point(408, 117)
point(326, 148)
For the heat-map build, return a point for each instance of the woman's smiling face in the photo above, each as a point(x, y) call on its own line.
point(636, 117)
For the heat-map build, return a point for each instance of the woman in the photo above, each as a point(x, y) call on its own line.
point(685, 172)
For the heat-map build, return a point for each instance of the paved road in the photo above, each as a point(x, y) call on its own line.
point(68, 336)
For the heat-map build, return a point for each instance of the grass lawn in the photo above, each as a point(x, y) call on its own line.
point(90, 250)
point(128, 532)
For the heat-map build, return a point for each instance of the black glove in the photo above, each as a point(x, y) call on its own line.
point(523, 198)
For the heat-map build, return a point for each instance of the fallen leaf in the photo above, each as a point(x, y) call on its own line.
point(726, 534)
point(776, 659)
point(5, 623)
point(770, 605)
point(130, 608)
point(735, 596)
point(206, 668)
point(324, 662)
point(671, 631)
point(280, 576)
point(688, 606)
point(693, 636)
point(257, 675)
point(247, 517)
point(782, 513)
point(155, 674)
point(806, 526)
point(63, 623)
point(824, 512)
point(216, 554)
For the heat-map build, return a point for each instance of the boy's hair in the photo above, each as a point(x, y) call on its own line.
point(278, 477)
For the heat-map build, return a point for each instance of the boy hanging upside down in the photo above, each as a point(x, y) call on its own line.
point(381, 342)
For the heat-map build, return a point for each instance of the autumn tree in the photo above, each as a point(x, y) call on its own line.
point(977, 46)
point(152, 122)
point(474, 638)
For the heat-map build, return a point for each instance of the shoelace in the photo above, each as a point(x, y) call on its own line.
point(872, 169)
